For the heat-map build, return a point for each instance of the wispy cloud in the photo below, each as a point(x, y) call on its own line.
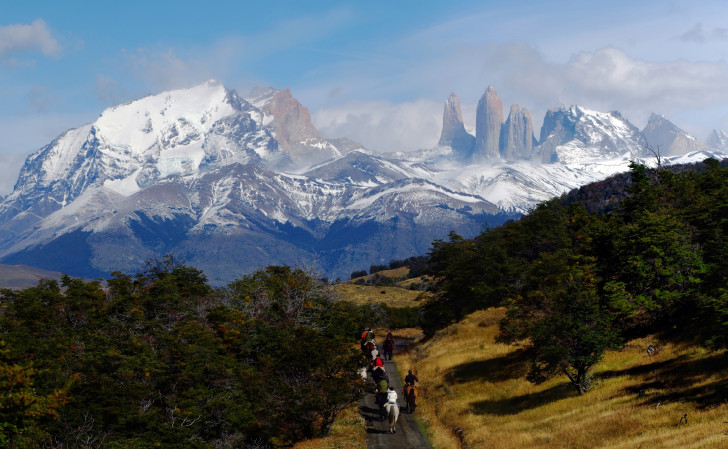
point(35, 37)
point(235, 58)
point(699, 35)
point(164, 69)
point(108, 90)
point(42, 99)
point(383, 126)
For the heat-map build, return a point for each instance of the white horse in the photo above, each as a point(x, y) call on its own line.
point(393, 414)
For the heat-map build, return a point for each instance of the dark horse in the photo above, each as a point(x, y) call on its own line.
point(368, 348)
point(410, 393)
point(388, 349)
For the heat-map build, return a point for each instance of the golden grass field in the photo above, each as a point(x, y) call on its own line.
point(395, 273)
point(475, 395)
point(392, 296)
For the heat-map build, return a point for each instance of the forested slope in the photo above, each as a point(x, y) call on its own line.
point(634, 255)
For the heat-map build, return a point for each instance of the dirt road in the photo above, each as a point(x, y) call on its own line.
point(408, 435)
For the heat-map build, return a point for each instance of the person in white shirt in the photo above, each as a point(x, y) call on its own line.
point(392, 408)
point(391, 396)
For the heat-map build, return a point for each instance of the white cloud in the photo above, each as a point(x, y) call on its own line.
point(162, 70)
point(383, 126)
point(605, 79)
point(35, 37)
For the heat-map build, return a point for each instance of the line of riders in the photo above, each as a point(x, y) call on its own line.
point(386, 397)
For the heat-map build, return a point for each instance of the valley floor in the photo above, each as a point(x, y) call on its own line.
point(475, 395)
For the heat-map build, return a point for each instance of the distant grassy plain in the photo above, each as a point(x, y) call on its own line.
point(397, 295)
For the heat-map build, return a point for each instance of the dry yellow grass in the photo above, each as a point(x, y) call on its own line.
point(348, 432)
point(392, 296)
point(395, 273)
point(474, 395)
point(418, 280)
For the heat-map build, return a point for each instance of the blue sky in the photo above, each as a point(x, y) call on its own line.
point(377, 72)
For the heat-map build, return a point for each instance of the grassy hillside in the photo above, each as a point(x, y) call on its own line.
point(393, 296)
point(394, 273)
point(475, 395)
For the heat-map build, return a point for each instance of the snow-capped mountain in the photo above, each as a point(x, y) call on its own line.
point(232, 184)
point(209, 176)
point(576, 134)
point(577, 146)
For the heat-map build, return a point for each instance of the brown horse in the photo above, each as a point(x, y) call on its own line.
point(368, 348)
point(411, 393)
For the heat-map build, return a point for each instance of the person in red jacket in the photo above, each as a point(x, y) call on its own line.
point(378, 361)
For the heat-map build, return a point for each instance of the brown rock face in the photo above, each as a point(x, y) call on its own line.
point(488, 121)
point(295, 132)
point(292, 121)
point(516, 139)
point(453, 130)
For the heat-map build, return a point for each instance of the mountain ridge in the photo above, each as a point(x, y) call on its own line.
point(203, 172)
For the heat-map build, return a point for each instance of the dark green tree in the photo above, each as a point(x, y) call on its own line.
point(562, 318)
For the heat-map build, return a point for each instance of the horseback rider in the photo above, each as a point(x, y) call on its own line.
point(391, 396)
point(378, 361)
point(410, 378)
point(368, 335)
point(378, 373)
point(382, 387)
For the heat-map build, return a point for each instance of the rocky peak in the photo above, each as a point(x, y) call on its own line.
point(294, 130)
point(718, 140)
point(573, 133)
point(558, 128)
point(453, 130)
point(488, 121)
point(292, 121)
point(516, 139)
point(666, 138)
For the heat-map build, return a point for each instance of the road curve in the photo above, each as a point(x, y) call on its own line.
point(408, 435)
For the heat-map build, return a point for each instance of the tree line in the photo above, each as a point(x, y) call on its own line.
point(160, 359)
point(637, 254)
